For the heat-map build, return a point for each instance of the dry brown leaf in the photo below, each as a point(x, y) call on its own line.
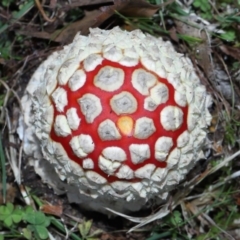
point(231, 51)
point(133, 8)
point(95, 18)
point(65, 5)
point(33, 32)
point(138, 8)
point(11, 193)
point(203, 50)
point(173, 34)
point(52, 209)
point(83, 25)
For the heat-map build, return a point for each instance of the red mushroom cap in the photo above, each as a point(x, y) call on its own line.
point(120, 115)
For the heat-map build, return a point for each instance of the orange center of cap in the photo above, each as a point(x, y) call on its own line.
point(125, 125)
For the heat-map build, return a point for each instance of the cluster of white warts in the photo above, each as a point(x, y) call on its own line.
point(126, 48)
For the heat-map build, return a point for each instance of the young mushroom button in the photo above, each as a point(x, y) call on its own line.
point(120, 116)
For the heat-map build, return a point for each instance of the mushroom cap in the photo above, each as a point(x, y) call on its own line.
point(120, 116)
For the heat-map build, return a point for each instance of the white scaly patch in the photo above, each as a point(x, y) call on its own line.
point(188, 148)
point(160, 70)
point(92, 61)
point(108, 166)
point(149, 104)
point(112, 53)
point(173, 178)
point(137, 186)
point(149, 62)
point(173, 158)
point(189, 93)
point(120, 185)
point(145, 172)
point(88, 163)
point(90, 106)
point(183, 139)
point(142, 81)
point(174, 79)
point(162, 148)
point(77, 80)
point(47, 118)
point(192, 118)
point(159, 93)
point(159, 174)
point(95, 177)
point(61, 127)
point(60, 100)
point(125, 172)
point(82, 145)
point(114, 154)
point(66, 71)
point(129, 61)
point(75, 169)
point(107, 130)
point(131, 52)
point(171, 118)
point(144, 128)
point(73, 119)
point(139, 152)
point(186, 160)
point(123, 103)
point(51, 78)
point(180, 96)
point(167, 62)
point(109, 78)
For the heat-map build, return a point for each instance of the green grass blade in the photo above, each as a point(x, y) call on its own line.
point(17, 15)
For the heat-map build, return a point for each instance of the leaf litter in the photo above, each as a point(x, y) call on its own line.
point(36, 28)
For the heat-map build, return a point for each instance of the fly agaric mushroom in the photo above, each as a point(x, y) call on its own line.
point(120, 116)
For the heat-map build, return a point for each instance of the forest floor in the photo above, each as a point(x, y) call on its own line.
point(208, 32)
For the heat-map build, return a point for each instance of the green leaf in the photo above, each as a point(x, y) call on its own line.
point(6, 3)
point(95, 233)
point(17, 215)
point(27, 233)
point(35, 218)
point(29, 209)
point(8, 221)
point(203, 5)
point(84, 228)
point(1, 237)
point(6, 214)
point(41, 232)
point(46, 222)
point(229, 35)
point(6, 210)
point(176, 218)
